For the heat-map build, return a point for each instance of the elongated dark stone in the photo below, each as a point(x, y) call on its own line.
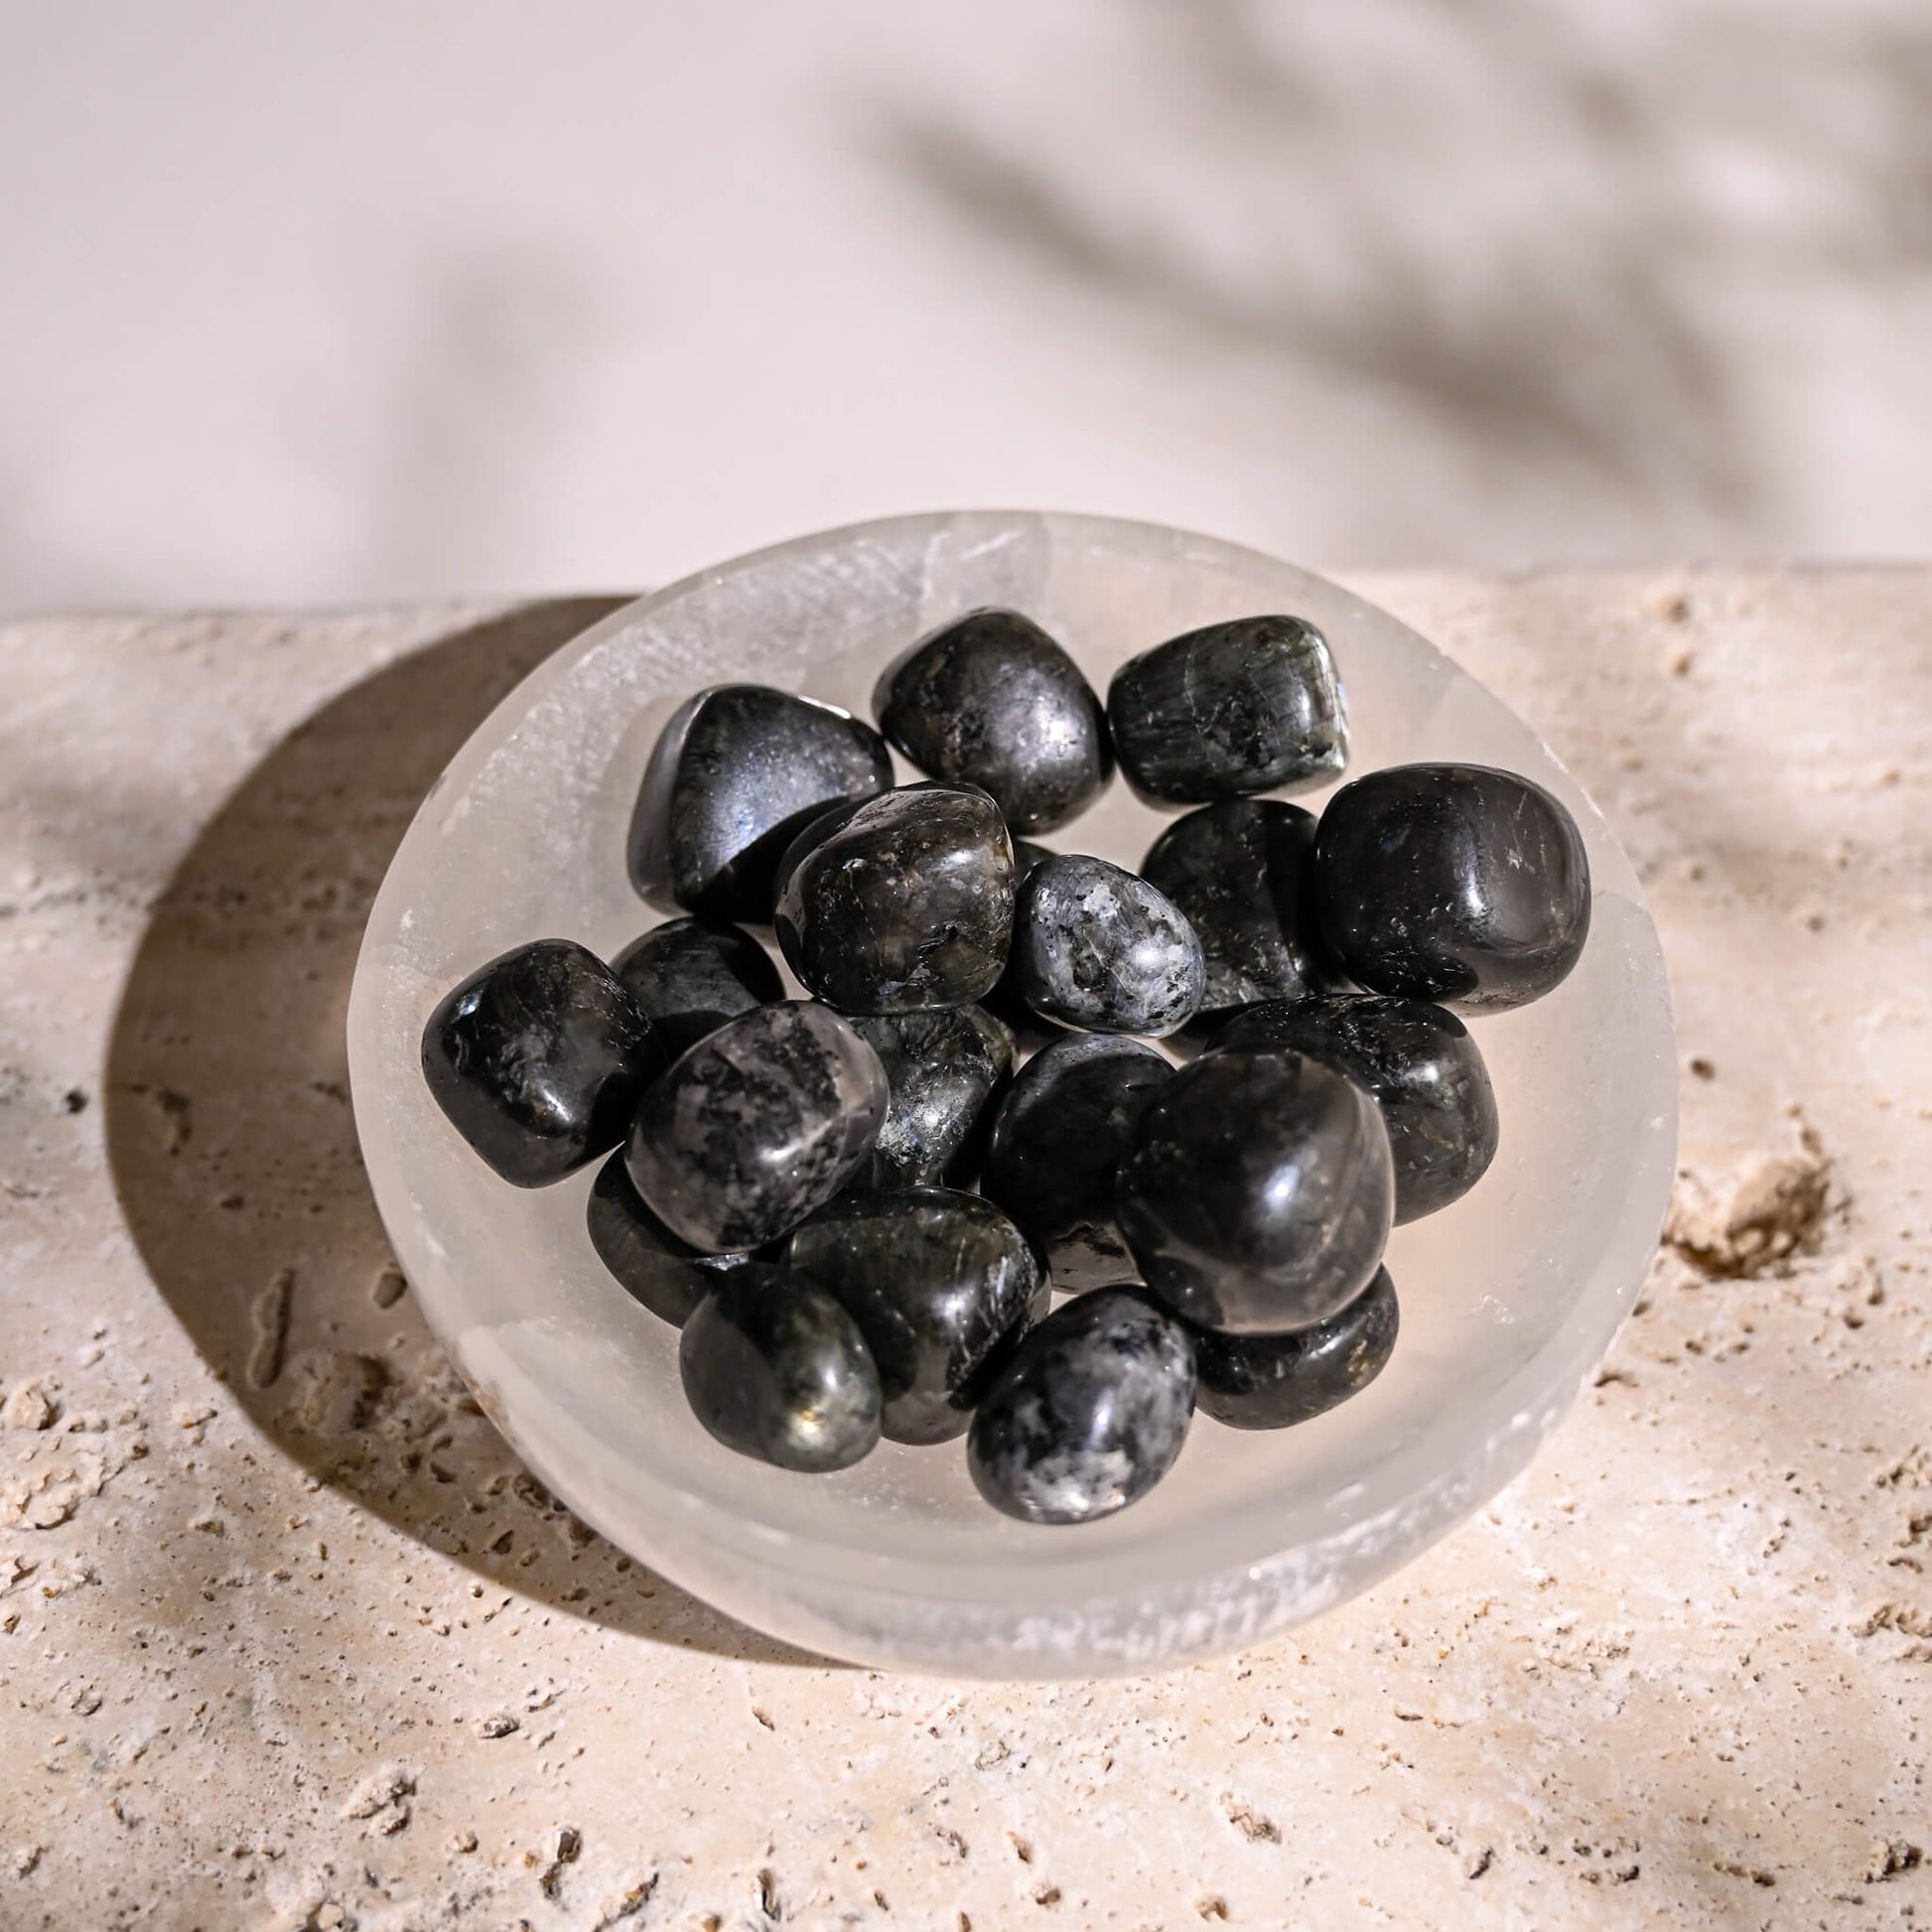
point(1056, 1143)
point(774, 1367)
point(1096, 947)
point(737, 773)
point(758, 1125)
point(1241, 871)
point(991, 700)
point(1229, 710)
point(538, 1060)
point(692, 975)
point(1419, 1062)
point(902, 903)
point(1455, 883)
point(668, 1276)
point(1258, 1192)
point(1273, 1381)
point(944, 1067)
point(1088, 1412)
point(933, 1278)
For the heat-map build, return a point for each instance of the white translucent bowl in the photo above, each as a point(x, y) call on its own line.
point(1509, 1298)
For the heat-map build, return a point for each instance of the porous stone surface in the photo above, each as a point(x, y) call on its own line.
point(289, 1639)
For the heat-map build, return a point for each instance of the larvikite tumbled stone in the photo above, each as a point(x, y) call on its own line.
point(1455, 883)
point(758, 1125)
point(1095, 947)
point(538, 1060)
point(737, 773)
point(1257, 1192)
point(1423, 1068)
point(1273, 1381)
point(902, 903)
point(667, 1276)
point(944, 1067)
point(933, 1278)
point(692, 975)
point(773, 1367)
point(991, 700)
point(1241, 871)
point(1089, 1412)
point(1056, 1143)
point(1228, 711)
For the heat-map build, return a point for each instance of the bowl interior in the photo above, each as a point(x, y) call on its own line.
point(1508, 1299)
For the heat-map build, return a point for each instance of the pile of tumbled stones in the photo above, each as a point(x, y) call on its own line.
point(794, 1179)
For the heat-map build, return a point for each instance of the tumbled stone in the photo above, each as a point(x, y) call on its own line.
point(737, 773)
point(944, 1067)
point(667, 1276)
point(902, 903)
point(1273, 1381)
point(1455, 883)
point(692, 975)
point(1257, 1192)
point(758, 1125)
point(1229, 710)
point(538, 1060)
point(773, 1367)
point(1088, 1412)
point(1095, 947)
point(991, 700)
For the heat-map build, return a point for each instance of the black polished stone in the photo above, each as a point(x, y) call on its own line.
point(538, 1060)
point(1095, 947)
point(1088, 1412)
point(757, 1126)
point(944, 1067)
point(1227, 711)
point(667, 1276)
point(1455, 883)
point(692, 975)
point(1419, 1062)
point(737, 773)
point(934, 1279)
point(899, 903)
point(1240, 872)
point(1272, 1381)
point(1055, 1142)
point(991, 700)
point(1257, 1192)
point(775, 1368)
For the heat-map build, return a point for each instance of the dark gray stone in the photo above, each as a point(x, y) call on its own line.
point(1273, 1381)
point(667, 1276)
point(944, 1067)
point(692, 975)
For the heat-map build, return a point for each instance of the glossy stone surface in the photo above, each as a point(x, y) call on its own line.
point(902, 903)
point(738, 771)
point(1422, 1067)
point(692, 975)
point(1240, 872)
point(774, 1368)
point(1455, 883)
point(1257, 1192)
point(934, 1279)
point(538, 1060)
point(1272, 1381)
point(1095, 947)
point(1056, 1143)
point(757, 1126)
point(991, 700)
point(1089, 1412)
point(1229, 710)
point(944, 1067)
point(668, 1276)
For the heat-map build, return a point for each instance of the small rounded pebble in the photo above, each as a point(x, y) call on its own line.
point(991, 700)
point(538, 1060)
point(1258, 1192)
point(1088, 1412)
point(902, 903)
point(692, 975)
point(773, 1367)
point(944, 1067)
point(1097, 948)
point(1423, 1068)
point(737, 773)
point(757, 1126)
point(934, 1279)
point(1453, 883)
point(1229, 710)
point(1274, 1381)
point(667, 1276)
